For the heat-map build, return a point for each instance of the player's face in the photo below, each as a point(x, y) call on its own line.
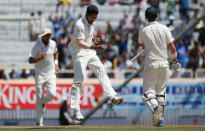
point(46, 38)
point(91, 18)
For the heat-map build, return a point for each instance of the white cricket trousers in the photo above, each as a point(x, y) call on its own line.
point(155, 80)
point(48, 81)
point(80, 63)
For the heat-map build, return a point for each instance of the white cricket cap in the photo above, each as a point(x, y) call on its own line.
point(45, 32)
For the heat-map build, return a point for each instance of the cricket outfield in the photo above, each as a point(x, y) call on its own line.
point(104, 128)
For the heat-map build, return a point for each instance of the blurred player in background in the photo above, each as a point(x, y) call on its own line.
point(45, 56)
point(156, 38)
point(83, 48)
point(64, 115)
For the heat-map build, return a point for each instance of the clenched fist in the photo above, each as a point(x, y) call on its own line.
point(96, 40)
point(100, 47)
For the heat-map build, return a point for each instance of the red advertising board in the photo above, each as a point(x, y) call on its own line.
point(24, 96)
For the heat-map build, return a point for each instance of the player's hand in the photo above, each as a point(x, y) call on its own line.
point(171, 28)
point(96, 40)
point(44, 56)
point(56, 68)
point(176, 66)
point(41, 57)
point(100, 47)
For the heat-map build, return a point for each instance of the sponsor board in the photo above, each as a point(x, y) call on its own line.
point(24, 96)
point(179, 95)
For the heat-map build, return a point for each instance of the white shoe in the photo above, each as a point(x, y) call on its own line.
point(78, 116)
point(114, 101)
point(157, 115)
point(40, 115)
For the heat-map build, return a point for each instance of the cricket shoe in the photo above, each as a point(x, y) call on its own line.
point(161, 123)
point(78, 116)
point(157, 115)
point(114, 101)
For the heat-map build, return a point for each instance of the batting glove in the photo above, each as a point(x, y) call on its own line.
point(176, 66)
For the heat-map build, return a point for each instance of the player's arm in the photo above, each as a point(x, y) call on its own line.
point(170, 41)
point(84, 45)
point(34, 58)
point(140, 40)
point(56, 55)
point(56, 61)
point(175, 66)
point(80, 35)
point(173, 51)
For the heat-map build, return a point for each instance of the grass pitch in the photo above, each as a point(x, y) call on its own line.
point(102, 128)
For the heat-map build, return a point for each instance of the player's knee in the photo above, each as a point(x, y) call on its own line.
point(78, 80)
point(75, 89)
point(161, 99)
point(39, 97)
point(150, 100)
point(38, 100)
point(77, 85)
point(101, 71)
point(52, 94)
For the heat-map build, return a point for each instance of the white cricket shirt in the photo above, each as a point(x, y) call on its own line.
point(85, 31)
point(45, 66)
point(156, 38)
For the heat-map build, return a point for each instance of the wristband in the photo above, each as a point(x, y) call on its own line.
point(56, 62)
point(174, 55)
point(41, 57)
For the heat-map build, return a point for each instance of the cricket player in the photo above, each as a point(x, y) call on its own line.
point(156, 39)
point(83, 48)
point(45, 56)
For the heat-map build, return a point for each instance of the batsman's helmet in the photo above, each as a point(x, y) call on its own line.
point(151, 13)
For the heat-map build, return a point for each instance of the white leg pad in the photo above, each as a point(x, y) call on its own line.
point(150, 100)
point(161, 99)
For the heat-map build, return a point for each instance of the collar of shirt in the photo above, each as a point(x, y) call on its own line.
point(154, 22)
point(40, 40)
point(86, 22)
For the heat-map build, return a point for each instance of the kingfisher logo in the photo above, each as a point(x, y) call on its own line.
point(24, 96)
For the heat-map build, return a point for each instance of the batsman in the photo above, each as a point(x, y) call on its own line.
point(156, 39)
point(83, 47)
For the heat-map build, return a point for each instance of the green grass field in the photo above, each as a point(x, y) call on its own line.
point(102, 128)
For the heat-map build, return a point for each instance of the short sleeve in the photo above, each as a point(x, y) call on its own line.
point(33, 52)
point(78, 32)
point(169, 37)
point(140, 40)
point(55, 47)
